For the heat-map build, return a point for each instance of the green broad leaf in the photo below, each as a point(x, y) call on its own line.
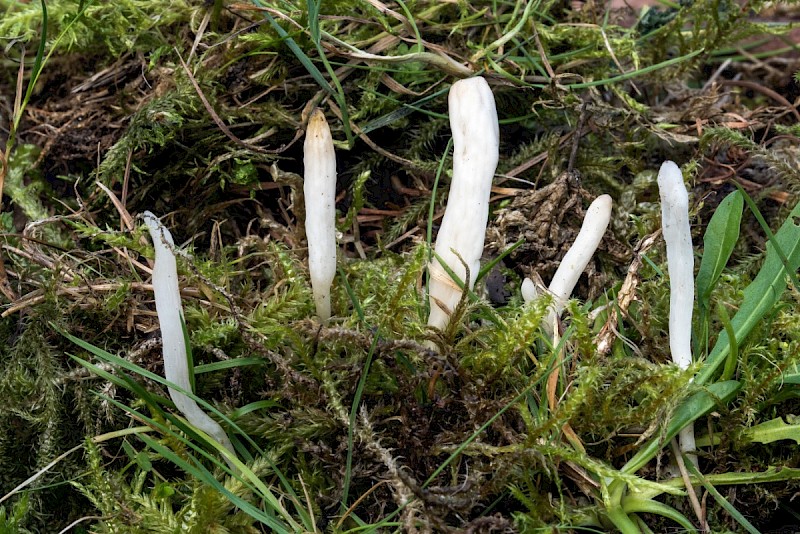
point(791, 375)
point(793, 378)
point(762, 294)
point(138, 457)
point(692, 408)
point(718, 242)
point(776, 430)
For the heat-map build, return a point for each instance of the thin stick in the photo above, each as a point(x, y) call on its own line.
point(688, 483)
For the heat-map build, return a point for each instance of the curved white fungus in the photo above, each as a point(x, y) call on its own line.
point(578, 256)
point(170, 320)
point(476, 150)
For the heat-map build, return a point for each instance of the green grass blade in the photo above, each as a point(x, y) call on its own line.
point(722, 501)
point(770, 236)
point(632, 505)
point(432, 208)
point(197, 471)
point(519, 398)
point(403, 111)
point(690, 410)
point(353, 412)
point(636, 73)
point(431, 212)
point(227, 364)
point(189, 354)
point(486, 269)
point(358, 393)
point(36, 70)
point(41, 60)
point(314, 30)
point(297, 51)
point(254, 407)
point(733, 354)
point(352, 295)
point(770, 475)
point(140, 391)
point(125, 382)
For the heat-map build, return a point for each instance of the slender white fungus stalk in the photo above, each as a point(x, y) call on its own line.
point(577, 257)
point(680, 264)
point(319, 189)
point(170, 320)
point(476, 149)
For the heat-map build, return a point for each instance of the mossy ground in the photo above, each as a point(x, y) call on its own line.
point(195, 111)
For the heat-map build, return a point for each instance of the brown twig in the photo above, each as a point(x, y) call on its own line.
point(576, 139)
point(764, 91)
point(5, 285)
point(698, 510)
point(214, 116)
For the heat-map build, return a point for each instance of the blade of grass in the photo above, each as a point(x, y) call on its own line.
point(254, 406)
point(770, 236)
point(733, 353)
point(636, 73)
point(200, 473)
point(413, 24)
point(508, 35)
point(431, 212)
point(690, 410)
point(353, 413)
point(348, 473)
point(771, 475)
point(189, 354)
point(522, 395)
point(338, 95)
point(471, 295)
point(635, 505)
point(486, 269)
point(338, 92)
point(125, 381)
point(227, 364)
point(722, 501)
point(40, 61)
point(196, 469)
point(36, 70)
point(387, 521)
point(96, 439)
point(295, 49)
